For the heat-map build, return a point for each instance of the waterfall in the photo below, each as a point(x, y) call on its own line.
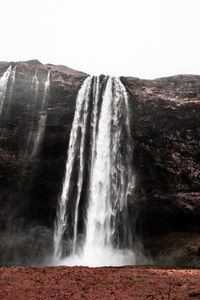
point(75, 149)
point(9, 93)
point(32, 108)
point(3, 86)
point(35, 86)
point(34, 138)
point(93, 219)
point(12, 78)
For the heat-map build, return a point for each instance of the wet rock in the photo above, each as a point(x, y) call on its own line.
point(164, 124)
point(30, 186)
point(165, 130)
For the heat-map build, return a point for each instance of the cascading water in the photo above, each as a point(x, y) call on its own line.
point(93, 222)
point(35, 85)
point(35, 137)
point(3, 86)
point(43, 116)
point(9, 93)
point(75, 152)
point(12, 78)
point(32, 108)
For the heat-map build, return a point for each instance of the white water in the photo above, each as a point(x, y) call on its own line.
point(110, 180)
point(12, 84)
point(79, 122)
point(96, 256)
point(31, 135)
point(35, 85)
point(43, 112)
point(3, 86)
point(100, 208)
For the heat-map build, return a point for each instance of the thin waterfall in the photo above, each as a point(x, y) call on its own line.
point(35, 84)
point(43, 112)
point(3, 86)
point(75, 148)
point(12, 83)
point(99, 179)
point(32, 109)
point(9, 93)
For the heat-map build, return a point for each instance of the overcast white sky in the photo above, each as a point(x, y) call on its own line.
point(143, 38)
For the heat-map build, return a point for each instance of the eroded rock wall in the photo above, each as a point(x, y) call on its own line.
point(165, 129)
point(30, 186)
point(166, 133)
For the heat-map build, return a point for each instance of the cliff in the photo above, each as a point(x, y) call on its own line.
point(30, 186)
point(164, 125)
point(165, 130)
point(166, 134)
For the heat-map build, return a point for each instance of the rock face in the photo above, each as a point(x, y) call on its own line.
point(165, 117)
point(166, 133)
point(30, 186)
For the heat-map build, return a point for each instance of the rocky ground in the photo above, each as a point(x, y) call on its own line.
point(23, 283)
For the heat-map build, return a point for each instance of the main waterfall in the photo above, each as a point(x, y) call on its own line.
point(93, 224)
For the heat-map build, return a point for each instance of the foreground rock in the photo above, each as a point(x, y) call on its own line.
point(98, 283)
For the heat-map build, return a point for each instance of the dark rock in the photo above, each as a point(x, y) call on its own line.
point(165, 116)
point(30, 188)
point(165, 130)
point(166, 134)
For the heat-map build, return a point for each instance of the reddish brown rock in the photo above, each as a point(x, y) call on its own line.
point(98, 283)
point(165, 129)
point(165, 118)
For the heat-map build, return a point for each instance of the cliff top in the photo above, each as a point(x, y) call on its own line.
point(34, 63)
